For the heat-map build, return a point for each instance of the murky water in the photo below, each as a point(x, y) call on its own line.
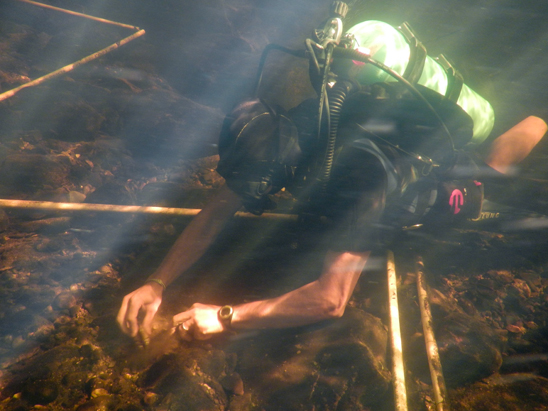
point(140, 126)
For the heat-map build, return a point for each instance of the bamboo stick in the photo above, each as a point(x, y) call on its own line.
point(112, 208)
point(398, 373)
point(74, 13)
point(436, 373)
point(70, 67)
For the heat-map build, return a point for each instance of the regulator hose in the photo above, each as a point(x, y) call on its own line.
point(337, 96)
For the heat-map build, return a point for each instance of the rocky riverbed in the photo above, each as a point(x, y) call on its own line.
point(139, 127)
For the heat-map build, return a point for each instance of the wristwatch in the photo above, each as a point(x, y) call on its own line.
point(225, 315)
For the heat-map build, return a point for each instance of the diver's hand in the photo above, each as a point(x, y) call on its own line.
point(200, 322)
point(146, 299)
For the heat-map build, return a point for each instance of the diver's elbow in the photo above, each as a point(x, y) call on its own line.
point(334, 309)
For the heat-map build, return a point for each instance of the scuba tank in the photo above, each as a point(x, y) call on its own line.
point(371, 52)
point(400, 50)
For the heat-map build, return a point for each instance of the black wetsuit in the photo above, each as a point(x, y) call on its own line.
point(378, 184)
point(393, 165)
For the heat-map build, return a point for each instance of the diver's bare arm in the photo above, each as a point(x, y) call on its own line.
point(188, 248)
point(509, 149)
point(198, 236)
point(324, 298)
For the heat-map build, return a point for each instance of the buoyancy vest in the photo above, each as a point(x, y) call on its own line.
point(263, 148)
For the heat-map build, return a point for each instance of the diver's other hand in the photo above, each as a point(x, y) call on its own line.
point(200, 322)
point(146, 299)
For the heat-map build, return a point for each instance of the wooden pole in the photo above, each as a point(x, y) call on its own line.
point(74, 13)
point(72, 66)
point(436, 373)
point(398, 373)
point(111, 208)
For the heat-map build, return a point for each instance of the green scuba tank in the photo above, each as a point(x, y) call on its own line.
point(395, 49)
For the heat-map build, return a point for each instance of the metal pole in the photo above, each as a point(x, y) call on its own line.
point(112, 208)
point(438, 382)
point(72, 66)
point(398, 373)
point(74, 13)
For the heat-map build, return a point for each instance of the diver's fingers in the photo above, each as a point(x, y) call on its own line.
point(182, 323)
point(130, 320)
point(121, 317)
point(180, 318)
point(149, 316)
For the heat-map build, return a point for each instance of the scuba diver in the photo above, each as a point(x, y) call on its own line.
point(386, 145)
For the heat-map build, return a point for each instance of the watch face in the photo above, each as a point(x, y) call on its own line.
point(225, 313)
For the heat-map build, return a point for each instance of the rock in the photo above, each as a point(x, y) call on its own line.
point(211, 362)
point(30, 172)
point(502, 276)
point(486, 288)
point(533, 363)
point(46, 225)
point(72, 120)
point(107, 153)
point(64, 300)
point(233, 383)
point(40, 392)
point(180, 377)
point(197, 394)
point(90, 356)
point(18, 342)
point(96, 404)
point(514, 392)
point(130, 407)
point(34, 296)
point(76, 197)
point(516, 329)
point(112, 193)
point(62, 321)
point(531, 325)
point(469, 348)
point(48, 245)
point(86, 350)
point(150, 398)
point(43, 328)
point(241, 403)
point(467, 306)
point(99, 392)
point(340, 363)
point(519, 290)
